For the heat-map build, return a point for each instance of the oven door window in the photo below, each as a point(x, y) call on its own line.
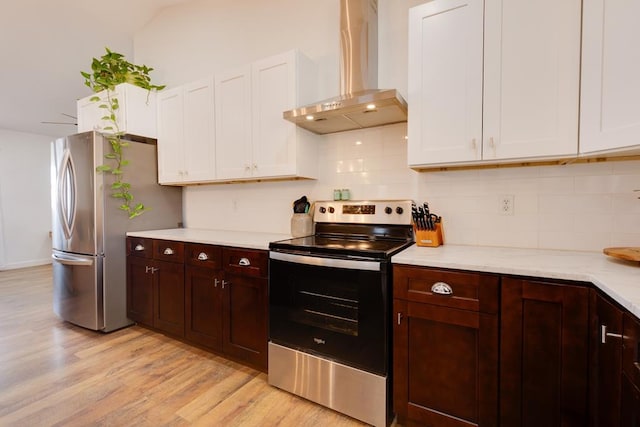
point(337, 313)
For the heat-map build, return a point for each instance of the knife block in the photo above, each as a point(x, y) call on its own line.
point(429, 238)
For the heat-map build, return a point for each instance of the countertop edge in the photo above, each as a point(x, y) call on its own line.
point(618, 279)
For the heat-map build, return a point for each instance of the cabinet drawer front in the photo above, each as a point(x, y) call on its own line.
point(464, 290)
point(204, 255)
point(140, 247)
point(245, 262)
point(168, 250)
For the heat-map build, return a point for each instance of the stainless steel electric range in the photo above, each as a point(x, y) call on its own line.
point(330, 307)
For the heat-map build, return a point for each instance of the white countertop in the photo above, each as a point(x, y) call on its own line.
point(617, 278)
point(239, 239)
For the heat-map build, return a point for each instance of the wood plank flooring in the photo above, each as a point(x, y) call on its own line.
point(53, 373)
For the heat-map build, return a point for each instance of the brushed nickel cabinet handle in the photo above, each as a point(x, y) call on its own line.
point(244, 262)
point(139, 247)
point(441, 288)
point(168, 251)
point(215, 282)
point(202, 256)
point(224, 282)
point(604, 334)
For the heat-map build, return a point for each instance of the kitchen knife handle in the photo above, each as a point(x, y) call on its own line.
point(441, 288)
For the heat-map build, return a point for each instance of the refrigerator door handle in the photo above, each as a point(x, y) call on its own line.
point(71, 260)
point(67, 193)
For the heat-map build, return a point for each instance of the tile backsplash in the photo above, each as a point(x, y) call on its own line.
point(576, 206)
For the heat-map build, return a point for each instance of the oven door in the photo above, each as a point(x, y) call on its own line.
point(334, 308)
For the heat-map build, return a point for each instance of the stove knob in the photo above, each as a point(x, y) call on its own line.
point(399, 210)
point(323, 210)
point(331, 209)
point(388, 210)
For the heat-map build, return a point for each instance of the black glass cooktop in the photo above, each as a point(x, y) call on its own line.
point(342, 246)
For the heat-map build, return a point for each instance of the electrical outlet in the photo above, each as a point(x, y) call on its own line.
point(507, 204)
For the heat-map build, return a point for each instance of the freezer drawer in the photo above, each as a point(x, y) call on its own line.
point(78, 290)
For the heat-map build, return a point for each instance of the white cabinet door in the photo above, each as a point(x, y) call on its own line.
point(531, 78)
point(233, 124)
point(273, 90)
point(445, 82)
point(610, 97)
point(170, 136)
point(513, 97)
point(199, 132)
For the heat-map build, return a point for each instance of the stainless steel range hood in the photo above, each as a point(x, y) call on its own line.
point(361, 104)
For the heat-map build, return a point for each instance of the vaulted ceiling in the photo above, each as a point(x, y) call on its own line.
point(44, 44)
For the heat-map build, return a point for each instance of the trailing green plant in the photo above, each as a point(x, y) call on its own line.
point(106, 73)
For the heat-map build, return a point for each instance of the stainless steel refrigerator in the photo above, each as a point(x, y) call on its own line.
point(89, 231)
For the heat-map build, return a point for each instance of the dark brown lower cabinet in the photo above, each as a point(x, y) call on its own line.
point(544, 360)
point(203, 303)
point(630, 411)
point(217, 301)
point(606, 336)
point(168, 301)
point(445, 357)
point(245, 331)
point(155, 284)
point(447, 374)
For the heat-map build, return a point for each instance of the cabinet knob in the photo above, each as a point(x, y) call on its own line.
point(244, 262)
point(604, 334)
point(139, 247)
point(202, 256)
point(168, 251)
point(441, 288)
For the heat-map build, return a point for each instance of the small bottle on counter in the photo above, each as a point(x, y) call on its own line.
point(337, 194)
point(345, 194)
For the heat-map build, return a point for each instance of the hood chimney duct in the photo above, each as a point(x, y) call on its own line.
point(360, 103)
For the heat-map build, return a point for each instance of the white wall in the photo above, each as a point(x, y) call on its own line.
point(25, 201)
point(583, 207)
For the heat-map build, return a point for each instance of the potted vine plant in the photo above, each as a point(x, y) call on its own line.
point(106, 73)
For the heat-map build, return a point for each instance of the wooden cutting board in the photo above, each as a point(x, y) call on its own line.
point(628, 253)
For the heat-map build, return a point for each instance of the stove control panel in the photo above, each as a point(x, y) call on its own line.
point(364, 211)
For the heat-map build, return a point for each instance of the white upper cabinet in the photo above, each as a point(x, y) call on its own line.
point(493, 82)
point(233, 124)
point(186, 139)
point(136, 114)
point(253, 140)
point(610, 97)
point(445, 82)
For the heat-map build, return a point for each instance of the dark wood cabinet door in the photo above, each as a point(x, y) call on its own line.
point(445, 366)
point(606, 327)
point(139, 290)
point(169, 297)
point(203, 305)
point(630, 408)
point(245, 328)
point(543, 353)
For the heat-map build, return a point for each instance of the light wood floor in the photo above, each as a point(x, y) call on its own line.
point(55, 374)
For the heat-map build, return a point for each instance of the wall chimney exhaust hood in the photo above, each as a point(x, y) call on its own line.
point(361, 104)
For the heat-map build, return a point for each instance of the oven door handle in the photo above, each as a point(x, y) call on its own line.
point(326, 262)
